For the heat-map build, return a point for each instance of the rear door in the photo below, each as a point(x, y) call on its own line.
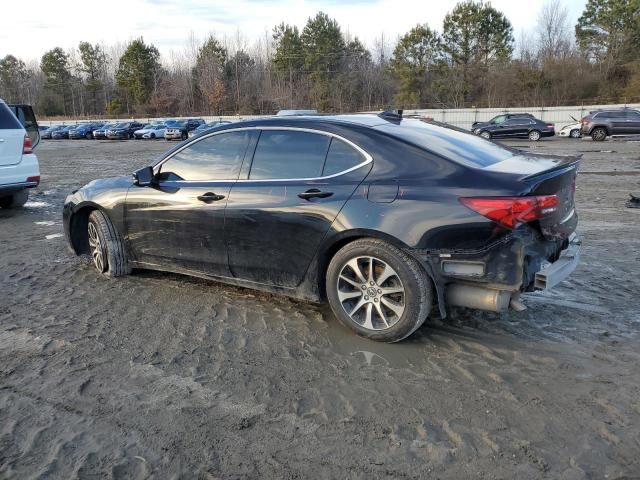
point(24, 113)
point(280, 210)
point(511, 127)
point(11, 137)
point(618, 121)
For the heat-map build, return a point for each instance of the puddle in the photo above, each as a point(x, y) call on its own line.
point(53, 235)
point(48, 223)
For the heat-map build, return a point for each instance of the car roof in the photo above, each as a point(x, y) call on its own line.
point(367, 120)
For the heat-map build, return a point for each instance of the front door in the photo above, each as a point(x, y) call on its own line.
point(179, 221)
point(279, 213)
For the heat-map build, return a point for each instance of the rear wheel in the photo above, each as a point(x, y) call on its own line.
point(153, 136)
point(184, 135)
point(88, 136)
point(377, 290)
point(485, 134)
point(534, 135)
point(15, 200)
point(105, 246)
point(598, 134)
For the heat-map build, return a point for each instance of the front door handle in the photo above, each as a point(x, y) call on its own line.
point(314, 193)
point(210, 197)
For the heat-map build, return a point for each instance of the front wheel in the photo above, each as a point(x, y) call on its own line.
point(184, 136)
point(105, 246)
point(575, 133)
point(486, 135)
point(377, 290)
point(534, 135)
point(15, 200)
point(598, 134)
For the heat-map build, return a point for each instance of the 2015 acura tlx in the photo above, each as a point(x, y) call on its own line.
point(384, 217)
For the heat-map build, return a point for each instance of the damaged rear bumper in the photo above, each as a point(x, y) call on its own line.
point(553, 273)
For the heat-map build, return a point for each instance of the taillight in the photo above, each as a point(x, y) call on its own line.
point(550, 125)
point(513, 211)
point(26, 145)
point(35, 178)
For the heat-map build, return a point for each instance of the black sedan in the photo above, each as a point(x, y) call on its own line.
point(382, 216)
point(518, 127)
point(123, 130)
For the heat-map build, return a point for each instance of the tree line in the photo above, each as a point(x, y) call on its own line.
point(471, 61)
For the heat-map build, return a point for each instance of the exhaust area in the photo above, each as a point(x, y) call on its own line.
point(481, 298)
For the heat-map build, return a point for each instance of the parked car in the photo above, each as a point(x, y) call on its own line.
point(176, 131)
point(518, 127)
point(19, 169)
point(63, 133)
point(602, 123)
point(47, 133)
point(207, 126)
point(84, 130)
point(156, 131)
point(193, 123)
point(382, 216)
point(497, 120)
point(123, 130)
point(572, 130)
point(101, 132)
point(139, 133)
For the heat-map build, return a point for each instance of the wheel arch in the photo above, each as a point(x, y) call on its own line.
point(606, 129)
point(316, 275)
point(78, 221)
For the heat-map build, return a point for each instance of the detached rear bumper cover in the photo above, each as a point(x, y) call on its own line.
point(553, 273)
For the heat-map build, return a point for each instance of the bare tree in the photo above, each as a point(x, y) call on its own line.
point(553, 31)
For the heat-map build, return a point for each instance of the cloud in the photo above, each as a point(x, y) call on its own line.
point(168, 23)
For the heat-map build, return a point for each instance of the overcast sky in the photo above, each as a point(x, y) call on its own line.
point(28, 29)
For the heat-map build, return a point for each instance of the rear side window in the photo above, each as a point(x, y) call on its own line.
point(341, 157)
point(632, 114)
point(611, 115)
point(8, 121)
point(460, 147)
point(218, 157)
point(283, 154)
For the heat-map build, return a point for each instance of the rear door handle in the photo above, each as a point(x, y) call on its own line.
point(314, 193)
point(210, 197)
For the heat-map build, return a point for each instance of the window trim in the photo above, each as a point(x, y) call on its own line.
point(367, 156)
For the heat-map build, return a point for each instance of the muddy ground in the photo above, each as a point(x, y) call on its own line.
point(163, 376)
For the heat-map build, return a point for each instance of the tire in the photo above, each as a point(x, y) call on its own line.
point(15, 200)
point(403, 312)
point(534, 135)
point(575, 133)
point(599, 134)
point(152, 136)
point(486, 135)
point(106, 248)
point(184, 136)
point(88, 136)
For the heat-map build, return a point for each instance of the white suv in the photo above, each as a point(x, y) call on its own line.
point(19, 169)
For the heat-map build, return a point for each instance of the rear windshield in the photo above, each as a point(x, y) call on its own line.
point(8, 121)
point(458, 146)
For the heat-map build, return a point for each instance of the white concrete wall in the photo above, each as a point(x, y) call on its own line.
point(460, 117)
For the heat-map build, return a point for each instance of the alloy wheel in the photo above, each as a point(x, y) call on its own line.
point(95, 247)
point(575, 133)
point(371, 293)
point(485, 135)
point(534, 136)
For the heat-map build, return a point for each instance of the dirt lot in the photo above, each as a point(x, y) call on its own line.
point(162, 376)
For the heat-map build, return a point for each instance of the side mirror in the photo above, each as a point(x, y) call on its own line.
point(144, 177)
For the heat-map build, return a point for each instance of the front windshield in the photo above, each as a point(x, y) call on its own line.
point(121, 125)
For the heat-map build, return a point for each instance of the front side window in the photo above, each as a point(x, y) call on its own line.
point(499, 119)
point(282, 154)
point(633, 115)
point(341, 157)
point(218, 157)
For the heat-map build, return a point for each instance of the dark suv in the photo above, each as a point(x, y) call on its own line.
point(602, 123)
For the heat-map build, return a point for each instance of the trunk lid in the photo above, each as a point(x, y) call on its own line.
point(560, 181)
